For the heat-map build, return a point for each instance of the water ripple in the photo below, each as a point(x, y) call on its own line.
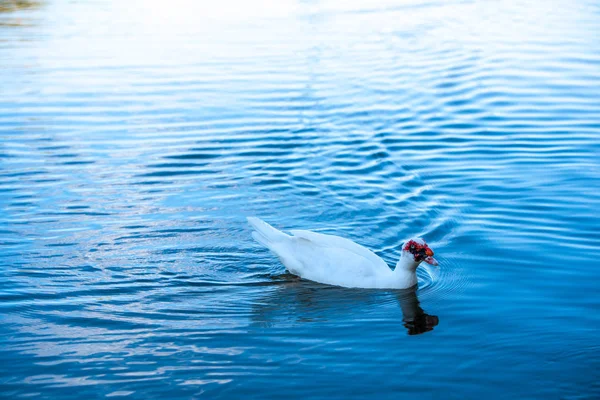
point(135, 139)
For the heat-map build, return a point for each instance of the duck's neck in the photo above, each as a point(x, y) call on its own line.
point(406, 270)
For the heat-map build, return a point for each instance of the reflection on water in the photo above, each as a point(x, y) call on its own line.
point(298, 301)
point(15, 5)
point(136, 136)
point(416, 321)
point(10, 15)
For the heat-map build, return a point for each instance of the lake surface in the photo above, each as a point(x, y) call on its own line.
point(136, 136)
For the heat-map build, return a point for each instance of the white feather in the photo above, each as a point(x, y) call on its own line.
point(334, 260)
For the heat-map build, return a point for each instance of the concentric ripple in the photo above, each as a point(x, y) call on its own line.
point(135, 137)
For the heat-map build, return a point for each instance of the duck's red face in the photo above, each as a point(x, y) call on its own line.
point(420, 251)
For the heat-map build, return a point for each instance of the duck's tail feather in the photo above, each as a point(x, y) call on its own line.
point(265, 233)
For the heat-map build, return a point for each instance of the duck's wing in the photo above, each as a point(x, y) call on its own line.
point(342, 245)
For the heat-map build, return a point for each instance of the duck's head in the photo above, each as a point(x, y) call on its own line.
point(417, 250)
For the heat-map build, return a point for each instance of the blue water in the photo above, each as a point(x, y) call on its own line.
point(136, 136)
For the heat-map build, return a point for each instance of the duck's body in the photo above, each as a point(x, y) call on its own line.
point(334, 260)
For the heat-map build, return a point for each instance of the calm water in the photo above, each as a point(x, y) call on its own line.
point(137, 136)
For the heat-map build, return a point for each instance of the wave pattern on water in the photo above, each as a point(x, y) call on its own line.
point(136, 137)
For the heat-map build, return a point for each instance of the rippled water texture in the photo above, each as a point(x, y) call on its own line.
point(136, 136)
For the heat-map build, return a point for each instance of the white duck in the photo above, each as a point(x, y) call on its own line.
point(341, 262)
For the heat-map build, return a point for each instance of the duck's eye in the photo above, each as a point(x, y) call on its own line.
point(412, 247)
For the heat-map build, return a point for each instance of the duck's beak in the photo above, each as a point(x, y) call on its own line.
point(430, 259)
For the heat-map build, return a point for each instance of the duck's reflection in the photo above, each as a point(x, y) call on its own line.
point(416, 321)
point(292, 300)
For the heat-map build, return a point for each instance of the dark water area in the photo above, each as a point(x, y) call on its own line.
point(136, 136)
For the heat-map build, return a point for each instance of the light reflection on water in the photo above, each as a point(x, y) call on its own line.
point(137, 136)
